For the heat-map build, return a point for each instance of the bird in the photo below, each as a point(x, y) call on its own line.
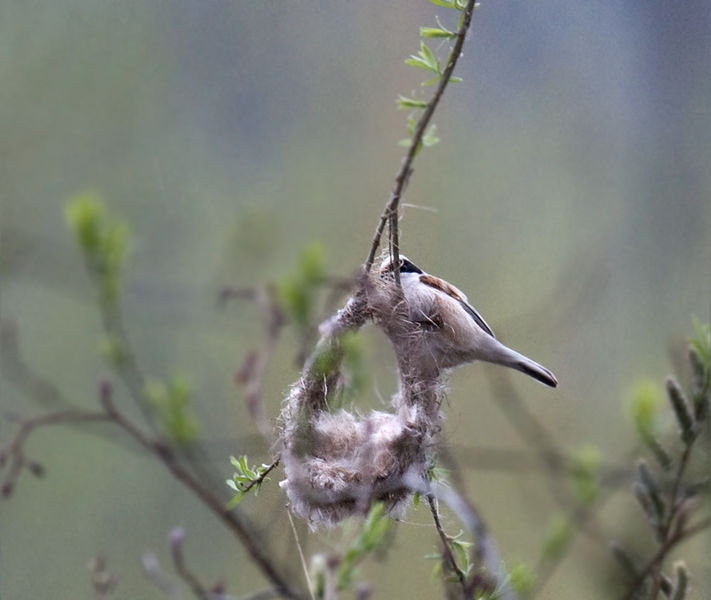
point(453, 331)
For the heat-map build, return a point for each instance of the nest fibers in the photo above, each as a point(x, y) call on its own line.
point(337, 464)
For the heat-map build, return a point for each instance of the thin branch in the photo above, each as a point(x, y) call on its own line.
point(679, 536)
point(259, 480)
point(251, 373)
point(487, 574)
point(254, 547)
point(13, 451)
point(252, 544)
point(14, 368)
point(177, 536)
point(391, 210)
point(446, 549)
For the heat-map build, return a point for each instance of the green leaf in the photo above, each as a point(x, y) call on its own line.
point(429, 57)
point(461, 548)
point(424, 59)
point(701, 341)
point(557, 537)
point(434, 32)
point(297, 292)
point(522, 579)
point(246, 478)
point(404, 102)
point(103, 241)
point(447, 3)
point(454, 79)
point(411, 125)
point(587, 461)
point(171, 402)
point(431, 81)
point(236, 499)
point(644, 407)
point(370, 536)
point(429, 138)
point(113, 351)
point(85, 214)
point(416, 61)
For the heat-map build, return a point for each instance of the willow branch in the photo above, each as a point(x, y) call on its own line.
point(391, 210)
point(446, 549)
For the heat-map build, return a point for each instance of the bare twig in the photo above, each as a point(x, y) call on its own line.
point(14, 368)
point(391, 210)
point(163, 451)
point(177, 535)
point(679, 536)
point(249, 540)
point(251, 373)
point(13, 451)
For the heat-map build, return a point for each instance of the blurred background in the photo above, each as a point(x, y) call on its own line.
point(569, 197)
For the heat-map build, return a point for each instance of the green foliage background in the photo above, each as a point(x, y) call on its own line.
point(571, 190)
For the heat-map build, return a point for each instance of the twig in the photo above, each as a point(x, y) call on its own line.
point(127, 369)
point(259, 480)
point(391, 210)
point(13, 451)
point(446, 550)
point(152, 570)
point(488, 568)
point(166, 455)
point(14, 368)
point(177, 535)
point(254, 546)
point(251, 373)
point(679, 536)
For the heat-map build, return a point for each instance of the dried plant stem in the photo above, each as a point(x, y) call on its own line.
point(391, 210)
point(301, 553)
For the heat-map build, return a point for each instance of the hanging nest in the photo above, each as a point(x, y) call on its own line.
point(338, 464)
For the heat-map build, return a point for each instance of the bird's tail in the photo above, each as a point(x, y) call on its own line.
point(503, 355)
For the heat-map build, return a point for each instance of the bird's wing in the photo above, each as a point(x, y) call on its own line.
point(452, 292)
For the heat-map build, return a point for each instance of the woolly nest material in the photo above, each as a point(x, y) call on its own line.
point(338, 464)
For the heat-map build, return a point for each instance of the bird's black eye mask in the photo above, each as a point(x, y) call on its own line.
point(408, 267)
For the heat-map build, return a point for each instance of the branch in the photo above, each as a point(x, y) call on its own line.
point(177, 535)
point(166, 455)
point(680, 535)
point(251, 372)
point(13, 451)
point(446, 549)
point(391, 210)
